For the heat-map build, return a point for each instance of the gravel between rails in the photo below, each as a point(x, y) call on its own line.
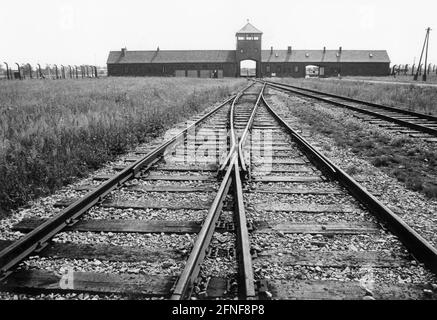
point(380, 241)
point(147, 214)
point(223, 267)
point(289, 244)
point(293, 185)
point(413, 207)
point(151, 240)
point(126, 195)
point(161, 183)
point(303, 217)
point(57, 296)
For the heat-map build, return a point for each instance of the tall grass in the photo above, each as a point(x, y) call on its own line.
point(409, 97)
point(54, 131)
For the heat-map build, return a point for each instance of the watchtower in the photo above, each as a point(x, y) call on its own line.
point(249, 47)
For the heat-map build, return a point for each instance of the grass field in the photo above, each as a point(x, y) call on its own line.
point(418, 99)
point(52, 132)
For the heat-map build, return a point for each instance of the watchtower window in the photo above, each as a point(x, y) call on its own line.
point(240, 38)
point(255, 38)
point(249, 38)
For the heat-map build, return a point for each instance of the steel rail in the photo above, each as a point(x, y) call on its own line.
point(404, 123)
point(234, 140)
point(232, 135)
point(246, 288)
point(421, 249)
point(394, 109)
point(247, 129)
point(245, 268)
point(38, 238)
point(192, 267)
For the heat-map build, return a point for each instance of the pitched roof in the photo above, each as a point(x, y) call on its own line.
point(328, 56)
point(229, 56)
point(173, 56)
point(248, 28)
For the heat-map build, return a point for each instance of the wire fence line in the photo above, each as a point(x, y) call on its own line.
point(406, 69)
point(26, 71)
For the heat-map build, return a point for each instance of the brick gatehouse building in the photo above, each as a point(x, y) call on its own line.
point(265, 63)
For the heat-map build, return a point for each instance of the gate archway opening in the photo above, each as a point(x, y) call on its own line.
point(247, 68)
point(313, 71)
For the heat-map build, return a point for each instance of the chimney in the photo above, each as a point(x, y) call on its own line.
point(324, 49)
point(123, 51)
point(157, 49)
point(289, 50)
point(271, 50)
point(339, 50)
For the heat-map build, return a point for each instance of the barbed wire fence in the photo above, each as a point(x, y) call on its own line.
point(406, 69)
point(55, 72)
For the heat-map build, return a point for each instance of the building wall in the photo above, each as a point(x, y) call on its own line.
point(169, 69)
point(281, 69)
point(297, 70)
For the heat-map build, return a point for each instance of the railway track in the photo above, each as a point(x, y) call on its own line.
point(316, 233)
point(167, 226)
point(404, 121)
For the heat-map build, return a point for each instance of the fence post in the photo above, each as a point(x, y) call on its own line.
point(19, 72)
point(30, 70)
point(7, 70)
point(39, 73)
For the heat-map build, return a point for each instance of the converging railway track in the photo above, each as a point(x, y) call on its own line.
point(236, 205)
point(415, 124)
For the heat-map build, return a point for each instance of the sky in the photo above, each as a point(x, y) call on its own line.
point(84, 31)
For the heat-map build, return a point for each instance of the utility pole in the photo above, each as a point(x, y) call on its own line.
point(425, 45)
point(426, 53)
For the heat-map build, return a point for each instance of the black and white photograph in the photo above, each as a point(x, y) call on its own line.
point(214, 158)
